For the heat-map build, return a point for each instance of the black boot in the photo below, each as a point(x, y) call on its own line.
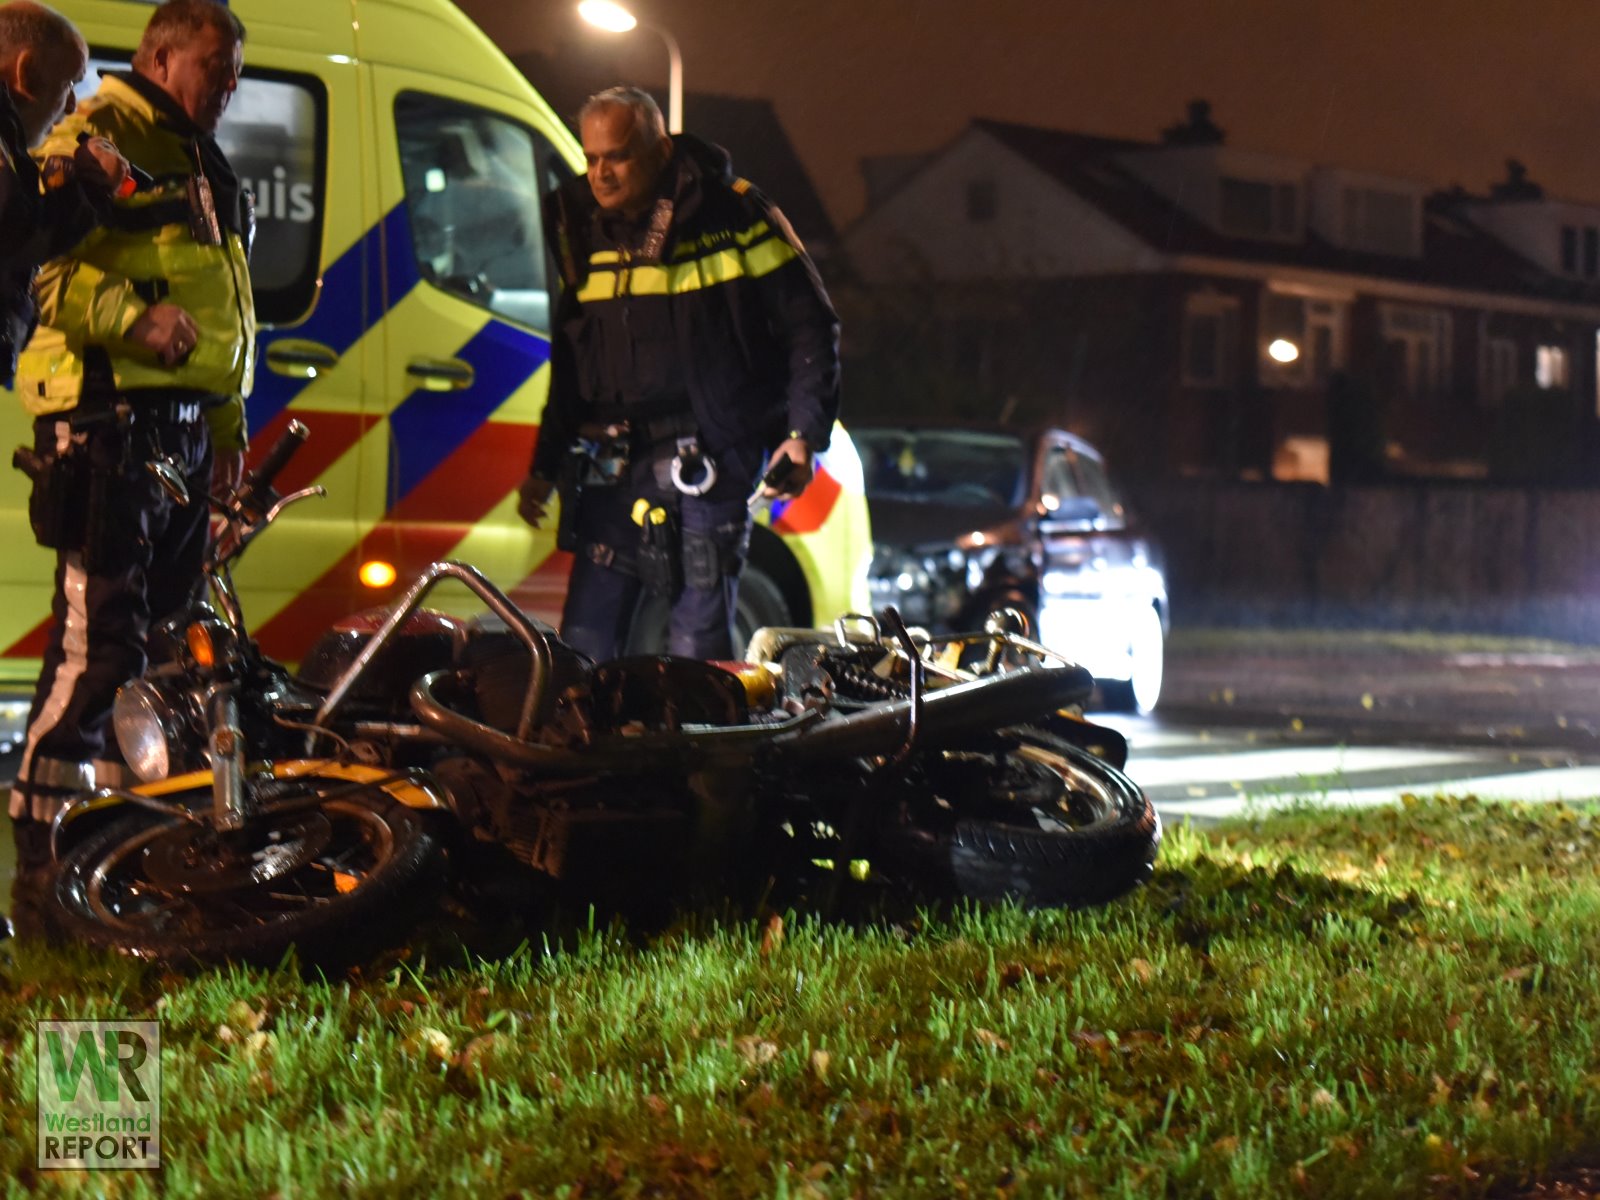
point(31, 902)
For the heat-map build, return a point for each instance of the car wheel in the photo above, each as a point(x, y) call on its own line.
point(1139, 692)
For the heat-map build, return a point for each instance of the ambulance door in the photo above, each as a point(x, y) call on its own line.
point(466, 333)
point(293, 133)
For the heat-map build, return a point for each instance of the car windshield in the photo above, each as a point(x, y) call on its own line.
point(944, 466)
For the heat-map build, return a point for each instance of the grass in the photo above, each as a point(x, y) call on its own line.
point(1392, 1002)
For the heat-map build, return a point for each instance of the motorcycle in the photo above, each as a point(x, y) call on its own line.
point(325, 808)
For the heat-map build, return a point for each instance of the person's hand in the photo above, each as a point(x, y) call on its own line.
point(800, 475)
point(227, 469)
point(533, 499)
point(98, 161)
point(167, 331)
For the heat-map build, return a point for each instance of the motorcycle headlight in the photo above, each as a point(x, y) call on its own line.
point(146, 725)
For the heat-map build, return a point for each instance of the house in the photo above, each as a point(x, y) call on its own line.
point(1201, 309)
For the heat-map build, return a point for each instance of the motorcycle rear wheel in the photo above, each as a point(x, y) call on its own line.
point(347, 877)
point(1029, 818)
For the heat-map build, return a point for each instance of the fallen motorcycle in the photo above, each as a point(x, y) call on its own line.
point(324, 808)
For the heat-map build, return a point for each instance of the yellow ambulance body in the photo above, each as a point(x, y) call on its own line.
point(397, 158)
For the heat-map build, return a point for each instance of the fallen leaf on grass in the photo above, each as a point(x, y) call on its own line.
point(1324, 1100)
point(772, 936)
point(990, 1038)
point(1226, 1145)
point(755, 1050)
point(478, 1057)
point(242, 1017)
point(820, 1061)
point(1141, 969)
point(427, 1042)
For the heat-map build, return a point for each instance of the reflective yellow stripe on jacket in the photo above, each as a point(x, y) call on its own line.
point(756, 251)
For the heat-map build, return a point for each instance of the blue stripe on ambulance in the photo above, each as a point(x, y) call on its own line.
point(429, 427)
point(378, 263)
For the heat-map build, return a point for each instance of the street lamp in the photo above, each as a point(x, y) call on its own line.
point(613, 18)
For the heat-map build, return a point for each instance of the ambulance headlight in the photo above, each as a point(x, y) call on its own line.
point(146, 723)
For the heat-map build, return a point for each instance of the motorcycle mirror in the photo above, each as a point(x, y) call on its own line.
point(170, 481)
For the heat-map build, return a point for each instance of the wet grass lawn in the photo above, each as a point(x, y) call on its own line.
point(1399, 1002)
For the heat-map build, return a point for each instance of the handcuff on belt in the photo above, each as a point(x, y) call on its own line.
point(690, 458)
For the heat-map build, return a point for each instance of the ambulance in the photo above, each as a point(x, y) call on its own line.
point(404, 288)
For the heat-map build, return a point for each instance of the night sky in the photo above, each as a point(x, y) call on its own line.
point(1438, 90)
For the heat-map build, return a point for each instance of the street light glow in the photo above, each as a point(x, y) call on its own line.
point(1283, 351)
point(607, 15)
point(613, 18)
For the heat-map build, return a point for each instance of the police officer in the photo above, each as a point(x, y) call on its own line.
point(138, 370)
point(695, 351)
point(42, 57)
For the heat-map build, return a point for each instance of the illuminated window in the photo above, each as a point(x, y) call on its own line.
point(1550, 367)
point(1301, 338)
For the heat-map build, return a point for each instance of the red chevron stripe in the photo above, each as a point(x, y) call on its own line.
point(424, 527)
point(32, 643)
point(332, 434)
point(814, 506)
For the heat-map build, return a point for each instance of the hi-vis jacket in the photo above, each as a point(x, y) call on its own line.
point(147, 252)
point(722, 305)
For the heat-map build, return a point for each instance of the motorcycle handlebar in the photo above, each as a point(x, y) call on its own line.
point(261, 479)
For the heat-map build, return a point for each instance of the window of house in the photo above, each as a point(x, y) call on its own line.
point(472, 178)
point(275, 134)
point(1252, 208)
point(982, 200)
point(1418, 348)
point(1500, 369)
point(1550, 368)
point(1591, 252)
point(1569, 249)
point(1313, 327)
point(1380, 221)
point(1210, 338)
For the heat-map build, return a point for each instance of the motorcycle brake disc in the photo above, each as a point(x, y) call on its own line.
point(191, 859)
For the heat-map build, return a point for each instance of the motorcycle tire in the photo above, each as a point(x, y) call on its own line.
point(363, 890)
point(1051, 825)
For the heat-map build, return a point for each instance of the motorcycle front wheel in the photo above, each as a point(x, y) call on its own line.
point(339, 878)
point(1025, 816)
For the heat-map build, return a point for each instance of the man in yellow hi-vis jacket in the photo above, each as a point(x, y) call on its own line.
point(142, 359)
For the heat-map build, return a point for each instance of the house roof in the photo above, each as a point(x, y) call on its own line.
point(1455, 253)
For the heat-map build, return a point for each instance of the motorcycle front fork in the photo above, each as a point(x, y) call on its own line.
point(227, 756)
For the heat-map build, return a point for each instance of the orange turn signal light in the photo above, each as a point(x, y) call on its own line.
point(377, 573)
point(201, 646)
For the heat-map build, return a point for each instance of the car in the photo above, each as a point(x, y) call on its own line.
point(966, 519)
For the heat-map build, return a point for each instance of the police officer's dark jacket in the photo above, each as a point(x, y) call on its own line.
point(34, 226)
point(707, 305)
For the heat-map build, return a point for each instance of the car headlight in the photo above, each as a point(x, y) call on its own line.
point(146, 725)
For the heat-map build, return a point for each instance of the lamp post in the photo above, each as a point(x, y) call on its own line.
point(613, 18)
